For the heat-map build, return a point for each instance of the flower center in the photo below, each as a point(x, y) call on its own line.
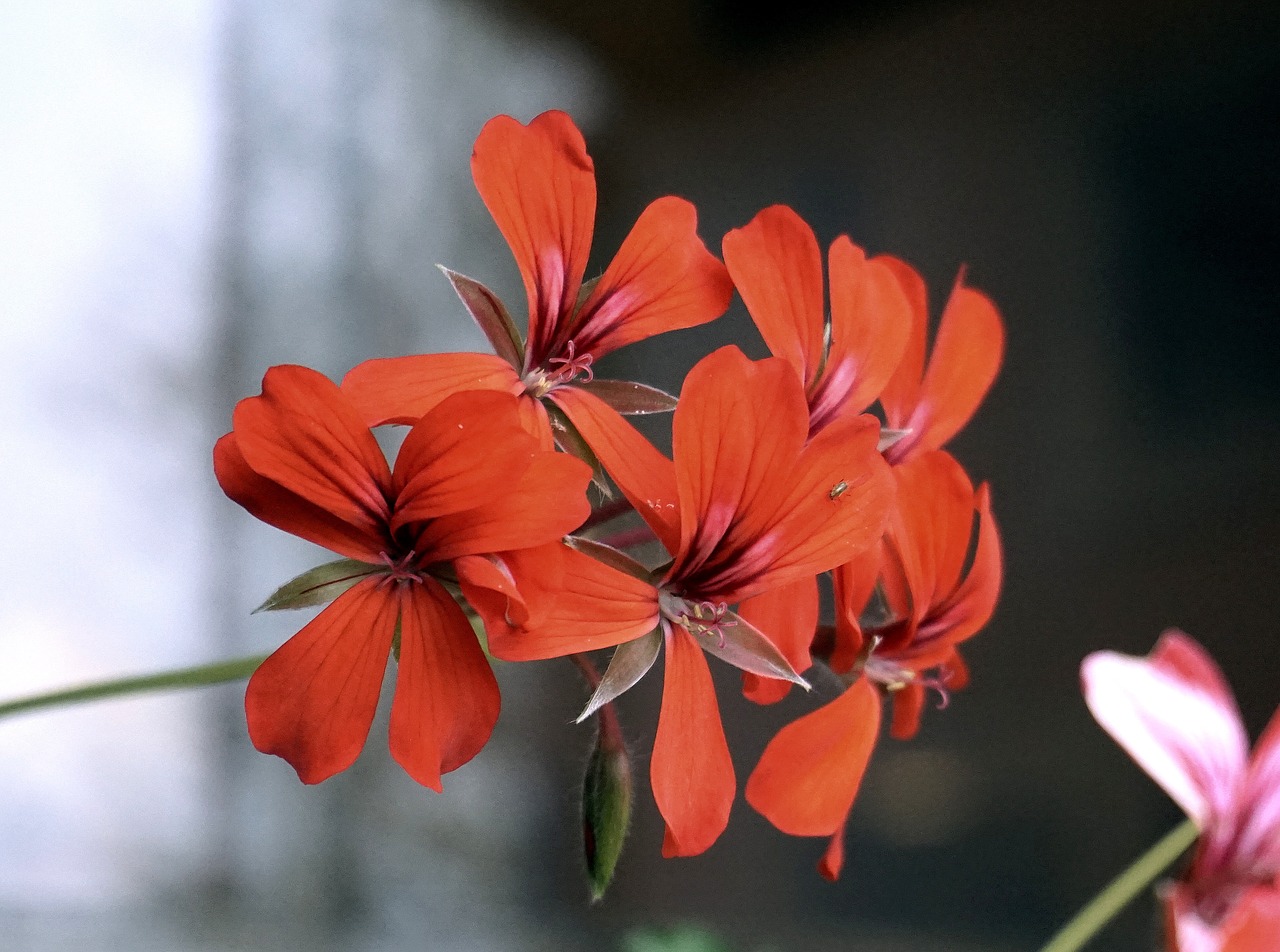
point(400, 570)
point(895, 677)
point(566, 369)
point(696, 617)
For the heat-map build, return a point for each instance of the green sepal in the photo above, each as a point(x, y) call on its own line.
point(319, 585)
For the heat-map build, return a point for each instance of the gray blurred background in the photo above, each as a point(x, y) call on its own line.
point(193, 191)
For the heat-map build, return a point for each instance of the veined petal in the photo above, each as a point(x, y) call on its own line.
point(404, 389)
point(302, 434)
point(539, 185)
point(574, 604)
point(871, 320)
point(312, 702)
point(788, 616)
point(468, 450)
point(736, 436)
point(901, 394)
point(908, 706)
point(1183, 736)
point(278, 507)
point(776, 265)
point(662, 279)
point(691, 770)
point(547, 501)
point(966, 358)
point(446, 699)
point(827, 506)
point(809, 775)
point(645, 476)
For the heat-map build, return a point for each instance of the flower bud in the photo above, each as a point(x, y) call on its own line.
point(606, 803)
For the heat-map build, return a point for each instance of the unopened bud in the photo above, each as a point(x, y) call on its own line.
point(606, 803)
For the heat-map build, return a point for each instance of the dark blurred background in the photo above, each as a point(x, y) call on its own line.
point(1107, 172)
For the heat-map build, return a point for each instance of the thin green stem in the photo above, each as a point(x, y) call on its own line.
point(1104, 907)
point(221, 671)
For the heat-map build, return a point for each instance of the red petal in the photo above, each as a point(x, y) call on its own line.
point(870, 323)
point(1255, 923)
point(313, 700)
point(832, 861)
point(403, 389)
point(662, 279)
point(548, 500)
point(971, 606)
point(1258, 845)
point(463, 454)
point(809, 774)
point(278, 507)
point(932, 525)
point(691, 771)
point(966, 357)
point(829, 506)
point(539, 185)
point(305, 436)
point(901, 394)
point(446, 699)
point(489, 587)
point(573, 602)
point(853, 584)
point(776, 264)
point(645, 476)
point(908, 706)
point(736, 436)
point(788, 615)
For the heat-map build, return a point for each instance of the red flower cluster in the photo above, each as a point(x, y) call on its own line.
point(777, 476)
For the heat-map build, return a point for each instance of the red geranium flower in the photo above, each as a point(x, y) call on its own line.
point(776, 265)
point(746, 506)
point(1174, 713)
point(539, 184)
point(809, 774)
point(468, 481)
point(929, 405)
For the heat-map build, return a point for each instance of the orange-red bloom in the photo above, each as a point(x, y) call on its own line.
point(809, 774)
point(931, 404)
point(468, 481)
point(746, 506)
point(776, 265)
point(539, 184)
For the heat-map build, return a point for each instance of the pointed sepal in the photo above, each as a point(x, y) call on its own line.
point(491, 315)
point(318, 586)
point(630, 398)
point(741, 644)
point(631, 662)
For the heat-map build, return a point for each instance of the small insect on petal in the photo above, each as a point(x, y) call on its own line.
point(838, 489)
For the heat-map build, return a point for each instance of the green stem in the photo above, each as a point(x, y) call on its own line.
point(1104, 907)
point(235, 670)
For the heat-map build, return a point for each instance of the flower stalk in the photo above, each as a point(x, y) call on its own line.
point(1106, 905)
point(219, 672)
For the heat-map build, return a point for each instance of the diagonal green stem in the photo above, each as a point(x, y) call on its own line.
point(220, 671)
point(1104, 907)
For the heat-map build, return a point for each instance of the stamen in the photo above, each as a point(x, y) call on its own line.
point(571, 366)
point(697, 618)
point(400, 570)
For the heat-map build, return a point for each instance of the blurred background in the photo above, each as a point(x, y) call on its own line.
point(193, 190)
